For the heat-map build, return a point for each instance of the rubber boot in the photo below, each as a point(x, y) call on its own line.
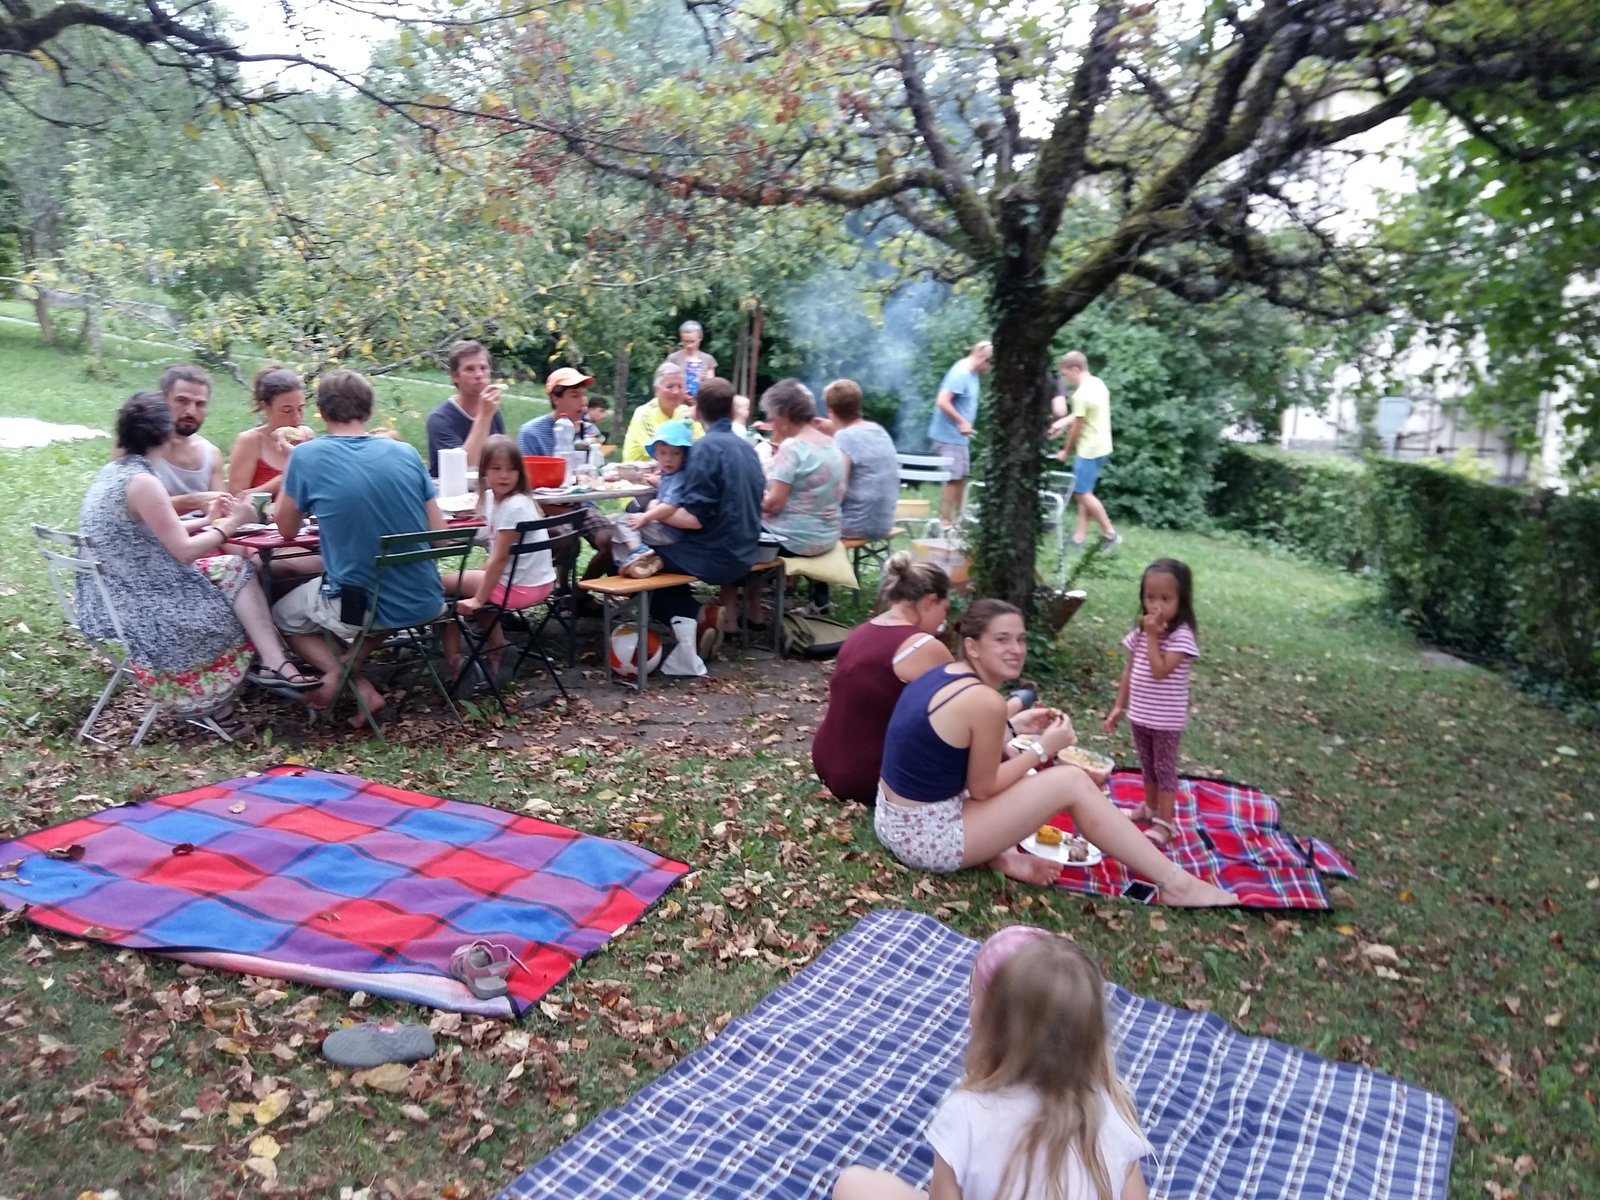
point(683, 658)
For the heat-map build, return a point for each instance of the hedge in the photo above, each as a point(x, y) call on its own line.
point(1497, 572)
point(1311, 504)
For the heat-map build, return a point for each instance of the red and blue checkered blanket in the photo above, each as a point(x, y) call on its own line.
point(337, 881)
point(1227, 833)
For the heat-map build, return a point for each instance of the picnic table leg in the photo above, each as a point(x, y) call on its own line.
point(641, 649)
point(605, 650)
point(781, 587)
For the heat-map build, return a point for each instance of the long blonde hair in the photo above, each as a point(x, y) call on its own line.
point(1042, 1025)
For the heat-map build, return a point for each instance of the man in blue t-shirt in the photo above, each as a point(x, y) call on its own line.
point(950, 429)
point(470, 417)
point(360, 488)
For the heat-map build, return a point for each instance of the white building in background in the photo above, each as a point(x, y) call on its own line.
point(1345, 188)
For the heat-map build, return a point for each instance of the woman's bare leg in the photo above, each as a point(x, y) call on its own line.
point(250, 606)
point(863, 1183)
point(993, 827)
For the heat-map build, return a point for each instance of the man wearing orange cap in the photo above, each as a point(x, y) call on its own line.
point(567, 390)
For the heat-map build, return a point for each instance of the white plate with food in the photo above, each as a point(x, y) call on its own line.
point(1070, 851)
point(458, 504)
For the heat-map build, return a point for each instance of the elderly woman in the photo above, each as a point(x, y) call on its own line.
point(260, 455)
point(808, 476)
point(806, 481)
point(189, 612)
point(670, 397)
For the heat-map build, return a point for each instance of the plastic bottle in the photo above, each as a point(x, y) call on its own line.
point(563, 430)
point(597, 458)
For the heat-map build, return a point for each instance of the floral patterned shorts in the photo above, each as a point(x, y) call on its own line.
point(929, 837)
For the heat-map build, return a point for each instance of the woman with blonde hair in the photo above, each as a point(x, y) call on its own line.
point(1041, 1113)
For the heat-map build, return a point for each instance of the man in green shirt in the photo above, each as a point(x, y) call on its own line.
point(1088, 429)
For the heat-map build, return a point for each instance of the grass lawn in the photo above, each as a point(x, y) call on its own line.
point(1469, 812)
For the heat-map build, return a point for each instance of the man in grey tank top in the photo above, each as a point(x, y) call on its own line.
point(192, 470)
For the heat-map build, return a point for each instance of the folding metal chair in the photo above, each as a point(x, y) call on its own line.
point(448, 548)
point(71, 569)
point(558, 537)
point(1057, 493)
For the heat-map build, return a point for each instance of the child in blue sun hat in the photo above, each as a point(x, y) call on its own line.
point(670, 448)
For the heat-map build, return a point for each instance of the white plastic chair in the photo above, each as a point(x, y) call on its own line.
point(923, 468)
point(72, 568)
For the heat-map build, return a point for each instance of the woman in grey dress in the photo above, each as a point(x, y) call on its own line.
point(189, 612)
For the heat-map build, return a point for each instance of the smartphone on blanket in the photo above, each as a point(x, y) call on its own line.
point(1139, 891)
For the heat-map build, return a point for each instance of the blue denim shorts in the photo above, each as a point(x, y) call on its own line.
point(1086, 473)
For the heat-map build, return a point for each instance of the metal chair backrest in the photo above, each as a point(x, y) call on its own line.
point(1059, 483)
point(924, 468)
point(553, 536)
point(71, 569)
point(447, 547)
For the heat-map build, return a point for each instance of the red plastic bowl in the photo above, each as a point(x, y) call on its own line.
point(545, 471)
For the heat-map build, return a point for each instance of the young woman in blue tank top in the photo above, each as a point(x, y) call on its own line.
point(950, 798)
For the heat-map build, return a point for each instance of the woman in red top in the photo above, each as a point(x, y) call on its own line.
point(876, 661)
point(261, 455)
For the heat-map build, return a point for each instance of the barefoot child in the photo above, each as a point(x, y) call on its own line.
point(1041, 1113)
point(1154, 692)
point(505, 582)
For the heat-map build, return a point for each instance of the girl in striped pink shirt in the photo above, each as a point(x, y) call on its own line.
point(1154, 692)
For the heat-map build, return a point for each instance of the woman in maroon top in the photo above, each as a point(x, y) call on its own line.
point(876, 661)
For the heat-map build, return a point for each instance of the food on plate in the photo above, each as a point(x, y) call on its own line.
point(1077, 850)
point(1048, 835)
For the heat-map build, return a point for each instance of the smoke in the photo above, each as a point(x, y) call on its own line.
point(841, 323)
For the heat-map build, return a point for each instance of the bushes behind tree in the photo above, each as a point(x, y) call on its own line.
point(1310, 504)
point(1500, 573)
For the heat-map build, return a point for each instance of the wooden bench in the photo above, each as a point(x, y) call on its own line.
point(620, 587)
point(874, 550)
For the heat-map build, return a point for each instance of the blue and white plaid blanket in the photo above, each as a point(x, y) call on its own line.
point(846, 1063)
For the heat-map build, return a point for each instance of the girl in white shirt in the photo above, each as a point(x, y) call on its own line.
point(1041, 1113)
point(507, 583)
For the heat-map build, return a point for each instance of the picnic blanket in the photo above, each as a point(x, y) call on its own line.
point(845, 1064)
point(1227, 833)
point(338, 881)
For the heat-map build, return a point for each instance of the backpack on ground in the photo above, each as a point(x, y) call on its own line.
point(809, 636)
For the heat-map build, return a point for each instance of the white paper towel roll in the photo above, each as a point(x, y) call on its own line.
point(453, 472)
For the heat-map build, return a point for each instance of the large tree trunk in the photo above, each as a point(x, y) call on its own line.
point(1014, 437)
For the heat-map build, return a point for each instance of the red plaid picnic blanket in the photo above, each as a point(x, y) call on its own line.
point(1227, 833)
point(337, 881)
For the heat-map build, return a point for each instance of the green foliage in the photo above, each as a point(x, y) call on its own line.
point(1310, 504)
point(1446, 554)
point(1494, 251)
point(1494, 572)
point(1553, 627)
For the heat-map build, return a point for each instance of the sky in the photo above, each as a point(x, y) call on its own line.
point(331, 32)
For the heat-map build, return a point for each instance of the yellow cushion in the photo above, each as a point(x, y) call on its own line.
point(832, 567)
